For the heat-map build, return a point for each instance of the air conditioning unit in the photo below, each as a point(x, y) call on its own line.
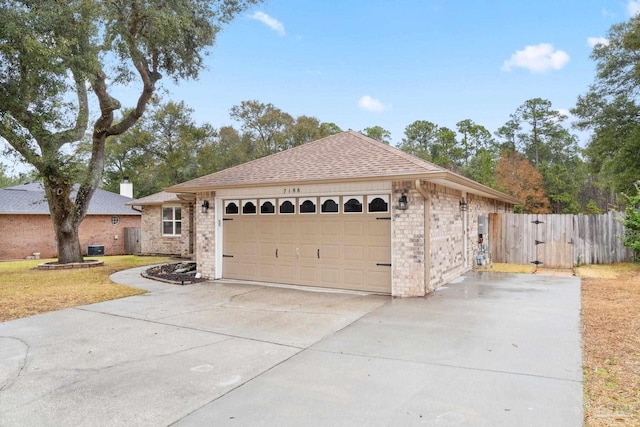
point(95, 250)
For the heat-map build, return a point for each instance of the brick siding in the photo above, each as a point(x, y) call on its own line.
point(151, 239)
point(23, 235)
point(205, 236)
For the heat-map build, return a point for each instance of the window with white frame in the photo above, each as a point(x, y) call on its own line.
point(378, 203)
point(352, 204)
point(171, 220)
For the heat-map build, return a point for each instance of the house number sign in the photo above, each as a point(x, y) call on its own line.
point(291, 190)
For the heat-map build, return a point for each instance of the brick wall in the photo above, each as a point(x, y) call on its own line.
point(205, 243)
point(153, 242)
point(407, 242)
point(446, 234)
point(22, 235)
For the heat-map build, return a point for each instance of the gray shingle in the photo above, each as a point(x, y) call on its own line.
point(30, 199)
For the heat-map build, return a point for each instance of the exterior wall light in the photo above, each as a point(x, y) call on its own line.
point(463, 205)
point(402, 202)
point(205, 206)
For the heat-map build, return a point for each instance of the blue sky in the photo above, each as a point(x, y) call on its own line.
point(362, 63)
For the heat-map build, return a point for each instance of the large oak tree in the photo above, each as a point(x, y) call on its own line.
point(59, 58)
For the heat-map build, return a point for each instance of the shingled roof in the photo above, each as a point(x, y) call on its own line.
point(30, 199)
point(347, 156)
point(156, 199)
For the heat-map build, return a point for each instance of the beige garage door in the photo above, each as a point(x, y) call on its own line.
point(337, 242)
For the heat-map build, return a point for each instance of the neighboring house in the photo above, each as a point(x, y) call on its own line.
point(344, 211)
point(167, 224)
point(26, 227)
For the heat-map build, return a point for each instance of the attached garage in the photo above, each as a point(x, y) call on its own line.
point(343, 212)
point(328, 241)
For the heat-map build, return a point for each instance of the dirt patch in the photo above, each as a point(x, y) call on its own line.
point(172, 273)
point(611, 344)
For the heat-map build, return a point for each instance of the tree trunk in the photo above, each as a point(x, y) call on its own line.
point(69, 249)
point(65, 217)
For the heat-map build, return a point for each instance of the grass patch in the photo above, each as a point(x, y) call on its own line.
point(611, 344)
point(25, 291)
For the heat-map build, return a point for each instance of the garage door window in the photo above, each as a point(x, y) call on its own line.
point(329, 205)
point(353, 204)
point(249, 207)
point(378, 203)
point(307, 206)
point(287, 206)
point(231, 207)
point(267, 207)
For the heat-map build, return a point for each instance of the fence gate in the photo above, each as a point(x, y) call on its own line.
point(554, 242)
point(557, 241)
point(132, 240)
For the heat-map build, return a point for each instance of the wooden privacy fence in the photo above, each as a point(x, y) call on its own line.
point(132, 240)
point(557, 241)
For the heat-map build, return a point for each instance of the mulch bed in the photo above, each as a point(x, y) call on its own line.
point(166, 273)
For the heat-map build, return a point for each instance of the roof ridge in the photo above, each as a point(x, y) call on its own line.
point(395, 150)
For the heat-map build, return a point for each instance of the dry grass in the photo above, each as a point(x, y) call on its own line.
point(611, 344)
point(25, 291)
point(499, 267)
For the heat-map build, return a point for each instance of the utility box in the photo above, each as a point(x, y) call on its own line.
point(483, 225)
point(95, 250)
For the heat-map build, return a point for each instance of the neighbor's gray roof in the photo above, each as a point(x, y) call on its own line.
point(30, 199)
point(347, 156)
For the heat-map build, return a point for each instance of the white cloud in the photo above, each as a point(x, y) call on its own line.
point(270, 22)
point(593, 41)
point(537, 59)
point(633, 7)
point(371, 104)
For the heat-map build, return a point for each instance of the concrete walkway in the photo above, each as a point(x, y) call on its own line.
point(489, 350)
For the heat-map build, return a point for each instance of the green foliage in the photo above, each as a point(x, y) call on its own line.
point(611, 111)
point(273, 130)
point(378, 133)
point(592, 208)
point(431, 142)
point(54, 54)
point(632, 221)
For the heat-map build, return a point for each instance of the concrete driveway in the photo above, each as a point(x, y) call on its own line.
point(489, 350)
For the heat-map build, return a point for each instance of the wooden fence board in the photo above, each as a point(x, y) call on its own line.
point(569, 240)
point(132, 243)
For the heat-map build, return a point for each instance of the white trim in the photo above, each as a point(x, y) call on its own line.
point(272, 201)
point(336, 199)
point(173, 221)
point(360, 199)
point(308, 190)
point(314, 200)
point(288, 199)
point(227, 203)
point(244, 203)
point(218, 249)
point(384, 197)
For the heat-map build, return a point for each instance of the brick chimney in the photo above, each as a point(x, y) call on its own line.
point(126, 188)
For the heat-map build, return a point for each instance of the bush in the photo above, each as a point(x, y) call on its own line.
point(632, 222)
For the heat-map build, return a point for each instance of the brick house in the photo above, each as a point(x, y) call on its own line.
point(167, 224)
point(344, 211)
point(26, 228)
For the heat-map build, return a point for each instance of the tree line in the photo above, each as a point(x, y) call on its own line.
point(533, 156)
point(58, 60)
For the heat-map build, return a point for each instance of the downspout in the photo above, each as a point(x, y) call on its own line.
point(427, 238)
